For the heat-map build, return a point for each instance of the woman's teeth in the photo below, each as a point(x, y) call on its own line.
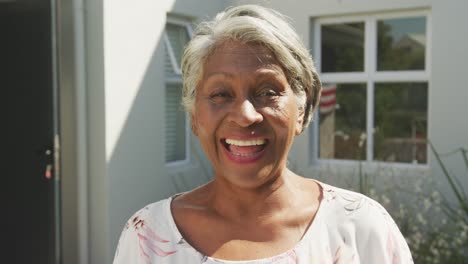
point(244, 143)
point(245, 148)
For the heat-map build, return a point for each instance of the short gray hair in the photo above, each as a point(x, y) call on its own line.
point(252, 24)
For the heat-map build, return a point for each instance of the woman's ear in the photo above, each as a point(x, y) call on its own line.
point(194, 124)
point(299, 122)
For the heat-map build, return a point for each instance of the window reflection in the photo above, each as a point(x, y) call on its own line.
point(342, 121)
point(400, 122)
point(401, 44)
point(343, 47)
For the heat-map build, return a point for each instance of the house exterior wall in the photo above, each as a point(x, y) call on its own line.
point(125, 90)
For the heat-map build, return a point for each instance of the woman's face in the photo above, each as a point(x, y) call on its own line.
point(245, 114)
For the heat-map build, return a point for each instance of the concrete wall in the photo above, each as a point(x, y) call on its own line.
point(125, 115)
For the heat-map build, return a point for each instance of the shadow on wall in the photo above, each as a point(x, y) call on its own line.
point(137, 171)
point(138, 158)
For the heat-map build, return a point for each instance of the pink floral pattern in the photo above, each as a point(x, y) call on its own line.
point(147, 240)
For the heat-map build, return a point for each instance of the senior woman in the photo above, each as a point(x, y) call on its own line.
point(251, 87)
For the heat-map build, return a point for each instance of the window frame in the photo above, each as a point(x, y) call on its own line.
point(177, 80)
point(370, 76)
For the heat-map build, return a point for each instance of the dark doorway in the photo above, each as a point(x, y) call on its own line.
point(27, 99)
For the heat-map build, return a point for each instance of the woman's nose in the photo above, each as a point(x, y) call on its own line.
point(245, 114)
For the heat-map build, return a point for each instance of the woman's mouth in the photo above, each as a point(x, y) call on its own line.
point(244, 150)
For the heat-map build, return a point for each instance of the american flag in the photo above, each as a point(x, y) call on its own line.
point(328, 99)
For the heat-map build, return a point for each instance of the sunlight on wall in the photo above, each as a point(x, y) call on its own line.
point(132, 32)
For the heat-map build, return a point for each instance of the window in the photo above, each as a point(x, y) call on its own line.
point(177, 134)
point(375, 74)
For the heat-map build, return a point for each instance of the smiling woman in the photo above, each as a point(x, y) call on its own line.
point(250, 87)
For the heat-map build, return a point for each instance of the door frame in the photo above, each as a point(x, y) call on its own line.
point(72, 102)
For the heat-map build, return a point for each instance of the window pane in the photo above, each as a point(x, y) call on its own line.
point(401, 122)
point(342, 47)
point(342, 122)
point(175, 124)
point(178, 38)
point(401, 44)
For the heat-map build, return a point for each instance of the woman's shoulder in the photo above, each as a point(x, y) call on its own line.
point(153, 213)
point(355, 210)
point(357, 221)
point(148, 233)
point(349, 202)
point(356, 217)
point(156, 208)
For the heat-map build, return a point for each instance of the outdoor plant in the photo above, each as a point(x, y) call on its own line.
point(459, 211)
point(435, 227)
point(433, 222)
point(450, 242)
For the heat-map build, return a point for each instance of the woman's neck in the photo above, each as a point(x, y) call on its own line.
point(263, 202)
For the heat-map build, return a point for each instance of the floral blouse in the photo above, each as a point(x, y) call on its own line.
point(348, 228)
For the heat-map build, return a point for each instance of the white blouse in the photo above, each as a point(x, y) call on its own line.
point(348, 228)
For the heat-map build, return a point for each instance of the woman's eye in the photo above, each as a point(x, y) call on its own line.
point(268, 93)
point(220, 95)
